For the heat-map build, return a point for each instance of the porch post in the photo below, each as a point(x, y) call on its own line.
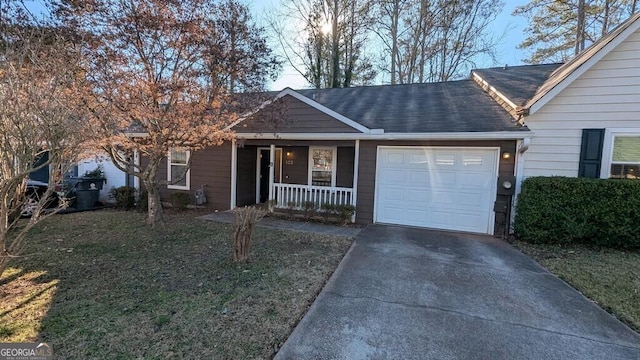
point(272, 169)
point(234, 173)
point(356, 166)
point(136, 179)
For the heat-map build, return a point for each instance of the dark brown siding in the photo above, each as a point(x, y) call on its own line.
point(246, 176)
point(283, 143)
point(210, 167)
point(301, 118)
point(367, 171)
point(344, 167)
point(295, 165)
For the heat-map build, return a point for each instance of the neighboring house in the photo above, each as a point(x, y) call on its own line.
point(585, 118)
point(115, 177)
point(440, 155)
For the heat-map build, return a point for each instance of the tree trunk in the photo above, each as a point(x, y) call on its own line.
point(605, 18)
point(150, 180)
point(4, 255)
point(395, 18)
point(580, 29)
point(335, 47)
point(155, 215)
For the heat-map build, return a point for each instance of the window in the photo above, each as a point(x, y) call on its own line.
point(322, 166)
point(177, 166)
point(625, 158)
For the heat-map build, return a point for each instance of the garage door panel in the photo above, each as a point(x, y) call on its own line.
point(471, 201)
point(394, 159)
point(392, 194)
point(443, 179)
point(473, 161)
point(417, 195)
point(451, 188)
point(392, 176)
point(417, 178)
point(415, 216)
point(444, 199)
point(419, 160)
point(393, 215)
point(472, 180)
point(470, 221)
point(445, 160)
point(443, 219)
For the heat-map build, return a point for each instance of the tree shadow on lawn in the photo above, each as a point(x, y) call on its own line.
point(107, 286)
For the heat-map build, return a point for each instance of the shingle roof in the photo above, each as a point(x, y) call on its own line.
point(453, 106)
point(517, 83)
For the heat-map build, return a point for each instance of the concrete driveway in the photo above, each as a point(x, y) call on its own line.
point(405, 293)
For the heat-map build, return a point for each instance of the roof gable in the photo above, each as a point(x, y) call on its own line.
point(301, 117)
point(347, 121)
point(567, 73)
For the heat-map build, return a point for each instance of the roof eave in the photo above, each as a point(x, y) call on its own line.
point(496, 95)
point(474, 135)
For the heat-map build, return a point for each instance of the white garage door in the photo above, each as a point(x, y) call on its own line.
point(437, 187)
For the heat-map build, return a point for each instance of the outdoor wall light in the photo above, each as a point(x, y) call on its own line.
point(288, 153)
point(507, 184)
point(506, 155)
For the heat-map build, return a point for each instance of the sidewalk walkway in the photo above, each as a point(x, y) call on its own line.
point(227, 217)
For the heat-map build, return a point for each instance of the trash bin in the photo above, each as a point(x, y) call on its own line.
point(86, 199)
point(87, 191)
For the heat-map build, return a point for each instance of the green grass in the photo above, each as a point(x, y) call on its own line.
point(104, 285)
point(611, 278)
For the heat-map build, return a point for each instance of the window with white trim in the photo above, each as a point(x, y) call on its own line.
point(177, 167)
point(625, 158)
point(322, 166)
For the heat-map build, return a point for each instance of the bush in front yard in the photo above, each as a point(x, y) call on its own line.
point(124, 196)
point(560, 210)
point(180, 200)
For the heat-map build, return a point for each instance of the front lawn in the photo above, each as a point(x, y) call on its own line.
point(611, 278)
point(104, 285)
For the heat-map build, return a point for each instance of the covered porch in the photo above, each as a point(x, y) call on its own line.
point(295, 175)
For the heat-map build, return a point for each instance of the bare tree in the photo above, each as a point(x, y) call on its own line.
point(163, 76)
point(326, 40)
point(426, 41)
point(40, 122)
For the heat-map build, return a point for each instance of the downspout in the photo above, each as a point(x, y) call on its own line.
point(234, 174)
point(521, 146)
point(272, 169)
point(356, 167)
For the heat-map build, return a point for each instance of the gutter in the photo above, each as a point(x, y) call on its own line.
point(375, 134)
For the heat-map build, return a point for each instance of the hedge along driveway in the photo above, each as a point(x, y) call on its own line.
point(560, 210)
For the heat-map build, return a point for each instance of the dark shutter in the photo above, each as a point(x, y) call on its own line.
point(591, 153)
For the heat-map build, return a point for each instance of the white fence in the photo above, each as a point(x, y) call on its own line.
point(296, 196)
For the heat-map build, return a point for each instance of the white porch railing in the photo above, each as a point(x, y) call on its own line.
point(295, 196)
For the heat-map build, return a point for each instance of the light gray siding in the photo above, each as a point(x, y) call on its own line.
point(605, 96)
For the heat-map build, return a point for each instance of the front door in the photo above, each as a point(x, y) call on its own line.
point(263, 173)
